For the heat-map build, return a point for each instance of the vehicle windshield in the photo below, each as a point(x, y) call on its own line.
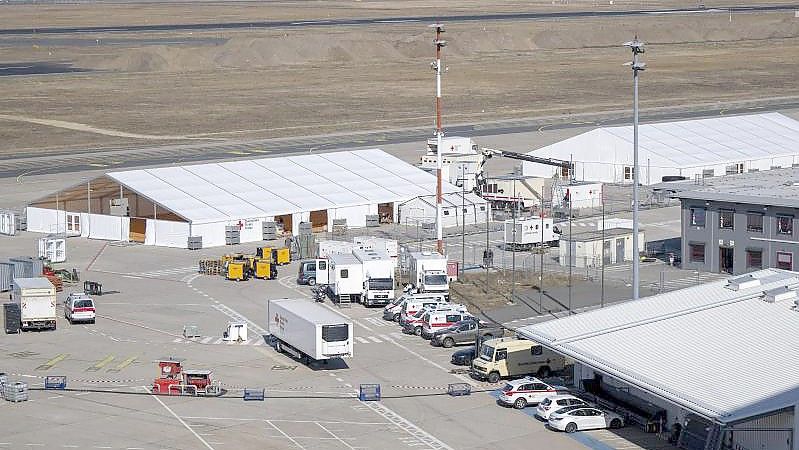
point(419, 314)
point(487, 353)
point(83, 304)
point(397, 301)
point(546, 401)
point(381, 284)
point(435, 280)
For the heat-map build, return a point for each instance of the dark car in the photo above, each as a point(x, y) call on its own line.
point(464, 356)
point(465, 332)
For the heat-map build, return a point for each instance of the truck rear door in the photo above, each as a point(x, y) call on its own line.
point(322, 276)
point(336, 340)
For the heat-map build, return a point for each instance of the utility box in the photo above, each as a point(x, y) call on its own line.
point(12, 317)
point(369, 393)
point(269, 231)
point(53, 249)
point(119, 207)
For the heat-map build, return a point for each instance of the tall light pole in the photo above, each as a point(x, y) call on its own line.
point(439, 43)
point(637, 48)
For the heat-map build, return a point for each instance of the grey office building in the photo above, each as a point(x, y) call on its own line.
point(740, 223)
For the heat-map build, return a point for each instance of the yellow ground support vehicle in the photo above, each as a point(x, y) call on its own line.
point(236, 270)
point(281, 256)
point(264, 269)
point(263, 252)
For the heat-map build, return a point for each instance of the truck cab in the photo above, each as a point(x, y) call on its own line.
point(428, 272)
point(435, 281)
point(510, 357)
point(378, 291)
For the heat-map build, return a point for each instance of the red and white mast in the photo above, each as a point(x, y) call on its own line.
point(439, 43)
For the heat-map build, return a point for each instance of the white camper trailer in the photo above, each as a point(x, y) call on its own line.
point(530, 232)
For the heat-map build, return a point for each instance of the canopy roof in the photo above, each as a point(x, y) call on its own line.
point(704, 348)
point(687, 143)
point(213, 192)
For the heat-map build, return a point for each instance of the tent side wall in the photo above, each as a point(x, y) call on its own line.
point(355, 215)
point(168, 234)
point(45, 220)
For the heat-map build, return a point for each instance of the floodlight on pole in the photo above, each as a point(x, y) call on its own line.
point(637, 48)
point(439, 44)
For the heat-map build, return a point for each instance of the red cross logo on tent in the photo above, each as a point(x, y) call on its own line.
point(241, 225)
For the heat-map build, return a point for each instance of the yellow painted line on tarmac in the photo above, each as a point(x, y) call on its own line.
point(97, 165)
point(123, 364)
point(100, 364)
point(238, 152)
point(49, 364)
point(262, 151)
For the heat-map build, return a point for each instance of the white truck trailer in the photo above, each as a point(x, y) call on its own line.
point(428, 272)
point(378, 273)
point(529, 233)
point(309, 331)
point(36, 298)
point(345, 278)
point(326, 249)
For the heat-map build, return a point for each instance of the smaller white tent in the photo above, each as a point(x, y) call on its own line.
point(422, 209)
point(690, 148)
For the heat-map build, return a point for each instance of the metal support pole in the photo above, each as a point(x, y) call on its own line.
point(637, 48)
point(463, 218)
point(88, 207)
point(513, 251)
point(541, 274)
point(571, 243)
point(602, 282)
point(439, 43)
point(485, 262)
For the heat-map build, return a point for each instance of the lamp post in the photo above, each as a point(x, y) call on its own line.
point(637, 48)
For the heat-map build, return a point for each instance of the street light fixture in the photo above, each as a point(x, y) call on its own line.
point(637, 48)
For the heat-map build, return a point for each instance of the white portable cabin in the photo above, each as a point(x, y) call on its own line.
point(461, 160)
point(588, 248)
point(326, 249)
point(390, 246)
point(345, 275)
point(529, 232)
point(583, 194)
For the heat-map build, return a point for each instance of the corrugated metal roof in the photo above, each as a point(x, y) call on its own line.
point(266, 187)
point(724, 354)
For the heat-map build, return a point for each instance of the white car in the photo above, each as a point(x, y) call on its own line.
point(527, 391)
point(555, 403)
point(79, 307)
point(584, 419)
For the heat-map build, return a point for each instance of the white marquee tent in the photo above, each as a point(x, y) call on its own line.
point(422, 209)
point(690, 148)
point(167, 205)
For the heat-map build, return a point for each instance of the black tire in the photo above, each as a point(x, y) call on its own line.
point(448, 342)
point(311, 281)
point(615, 423)
point(92, 321)
point(570, 428)
point(520, 403)
point(417, 331)
point(493, 377)
point(396, 317)
point(544, 372)
point(278, 346)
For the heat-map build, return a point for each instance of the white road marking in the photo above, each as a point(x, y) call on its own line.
point(200, 438)
point(335, 436)
point(206, 340)
point(361, 340)
point(364, 326)
point(431, 362)
point(284, 434)
point(375, 339)
point(406, 425)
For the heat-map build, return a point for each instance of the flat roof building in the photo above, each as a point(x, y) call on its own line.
point(721, 358)
point(737, 224)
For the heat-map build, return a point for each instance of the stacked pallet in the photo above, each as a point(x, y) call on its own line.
point(211, 266)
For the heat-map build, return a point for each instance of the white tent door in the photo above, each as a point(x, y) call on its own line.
point(73, 223)
point(322, 276)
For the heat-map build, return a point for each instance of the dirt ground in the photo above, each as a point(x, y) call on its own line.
point(145, 88)
point(494, 291)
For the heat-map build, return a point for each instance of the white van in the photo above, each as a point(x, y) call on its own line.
point(79, 307)
point(438, 320)
point(416, 304)
point(415, 324)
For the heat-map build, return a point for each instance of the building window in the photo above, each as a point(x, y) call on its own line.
point(345, 273)
point(726, 219)
point(698, 217)
point(446, 213)
point(734, 169)
point(697, 252)
point(785, 260)
point(754, 222)
point(754, 258)
point(785, 224)
point(628, 172)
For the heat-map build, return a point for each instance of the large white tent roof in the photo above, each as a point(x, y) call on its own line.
point(203, 193)
point(705, 348)
point(688, 143)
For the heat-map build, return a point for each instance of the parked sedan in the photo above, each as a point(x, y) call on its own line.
point(584, 419)
point(465, 332)
point(556, 403)
point(464, 357)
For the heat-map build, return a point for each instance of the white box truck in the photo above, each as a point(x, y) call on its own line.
point(428, 272)
point(36, 299)
point(345, 278)
point(308, 330)
point(378, 273)
point(529, 233)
